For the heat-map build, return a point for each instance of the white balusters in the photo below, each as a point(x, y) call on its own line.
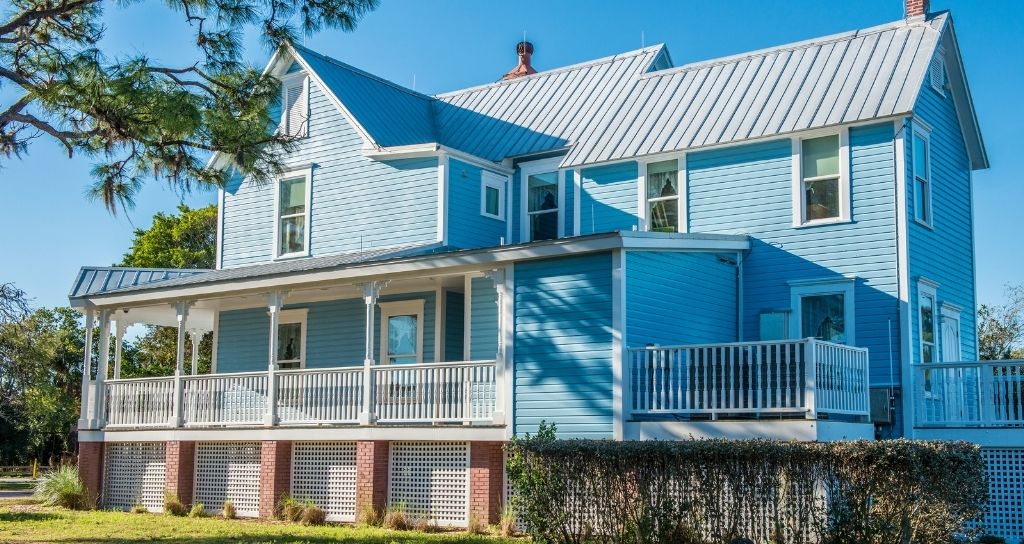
point(434, 392)
point(969, 394)
point(145, 402)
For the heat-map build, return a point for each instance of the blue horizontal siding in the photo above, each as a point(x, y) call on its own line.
point(563, 346)
point(608, 198)
point(679, 298)
point(467, 228)
point(748, 190)
point(483, 320)
point(945, 253)
point(356, 202)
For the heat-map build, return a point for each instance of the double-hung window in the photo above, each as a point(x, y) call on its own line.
point(295, 106)
point(824, 309)
point(922, 177)
point(401, 332)
point(663, 191)
point(541, 186)
point(926, 323)
point(292, 215)
point(492, 196)
point(821, 191)
point(291, 339)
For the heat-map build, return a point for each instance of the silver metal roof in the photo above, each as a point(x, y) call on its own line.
point(92, 280)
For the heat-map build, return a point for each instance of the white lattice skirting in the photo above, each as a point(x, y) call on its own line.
point(228, 471)
point(431, 479)
point(134, 474)
point(1005, 515)
point(325, 473)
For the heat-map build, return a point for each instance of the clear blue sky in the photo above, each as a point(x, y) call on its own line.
point(49, 229)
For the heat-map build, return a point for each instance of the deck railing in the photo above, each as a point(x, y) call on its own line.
point(424, 393)
point(969, 394)
point(795, 377)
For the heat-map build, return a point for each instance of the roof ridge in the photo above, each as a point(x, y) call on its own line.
point(346, 66)
point(146, 268)
point(794, 46)
point(568, 68)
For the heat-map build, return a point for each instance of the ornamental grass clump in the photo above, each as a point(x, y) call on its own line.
point(198, 511)
point(313, 515)
point(173, 505)
point(721, 491)
point(369, 516)
point(228, 510)
point(396, 519)
point(289, 508)
point(63, 487)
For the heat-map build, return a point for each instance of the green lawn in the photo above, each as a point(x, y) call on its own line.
point(16, 485)
point(26, 521)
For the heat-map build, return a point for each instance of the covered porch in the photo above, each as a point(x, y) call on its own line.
point(399, 350)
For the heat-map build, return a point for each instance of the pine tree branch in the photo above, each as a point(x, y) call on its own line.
point(27, 17)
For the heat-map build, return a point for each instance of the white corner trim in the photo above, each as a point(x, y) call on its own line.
point(442, 198)
point(467, 316)
point(440, 310)
point(216, 338)
point(307, 172)
point(220, 228)
point(620, 385)
point(641, 195)
point(577, 208)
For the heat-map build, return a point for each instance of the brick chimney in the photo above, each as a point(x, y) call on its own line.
point(916, 8)
point(524, 50)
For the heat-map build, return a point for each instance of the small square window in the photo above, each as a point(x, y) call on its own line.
point(492, 196)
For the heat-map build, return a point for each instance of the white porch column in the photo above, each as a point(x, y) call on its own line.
point(370, 293)
point(101, 370)
point(498, 277)
point(83, 417)
point(177, 415)
point(195, 336)
point(122, 326)
point(274, 303)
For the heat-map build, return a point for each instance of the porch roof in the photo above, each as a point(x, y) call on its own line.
point(395, 261)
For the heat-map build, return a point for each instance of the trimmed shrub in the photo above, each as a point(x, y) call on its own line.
point(228, 510)
point(62, 487)
point(173, 505)
point(721, 491)
point(198, 511)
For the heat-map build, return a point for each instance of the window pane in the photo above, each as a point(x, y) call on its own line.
point(928, 319)
point(921, 199)
point(293, 235)
point(662, 179)
point(821, 199)
point(920, 157)
point(293, 196)
point(544, 226)
point(289, 342)
point(402, 339)
point(821, 156)
point(664, 215)
point(823, 317)
point(543, 192)
point(492, 202)
point(927, 353)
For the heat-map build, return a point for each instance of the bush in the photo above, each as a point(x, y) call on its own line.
point(172, 505)
point(228, 510)
point(313, 515)
point(719, 491)
point(138, 508)
point(508, 521)
point(63, 487)
point(289, 508)
point(368, 516)
point(198, 511)
point(395, 518)
point(991, 539)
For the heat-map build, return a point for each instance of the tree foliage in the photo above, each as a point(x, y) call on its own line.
point(1001, 327)
point(138, 118)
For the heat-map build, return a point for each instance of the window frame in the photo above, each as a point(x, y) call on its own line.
point(293, 316)
point(528, 169)
point(845, 190)
point(926, 287)
point(414, 307)
point(491, 180)
point(798, 289)
point(917, 129)
point(307, 173)
point(286, 80)
point(644, 203)
point(953, 313)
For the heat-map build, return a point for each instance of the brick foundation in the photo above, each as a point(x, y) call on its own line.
point(372, 458)
point(486, 480)
point(90, 468)
point(179, 469)
point(275, 474)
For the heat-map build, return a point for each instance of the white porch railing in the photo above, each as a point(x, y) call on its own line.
point(969, 394)
point(434, 393)
point(463, 392)
point(796, 377)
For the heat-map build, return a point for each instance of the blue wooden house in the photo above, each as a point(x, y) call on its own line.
point(777, 244)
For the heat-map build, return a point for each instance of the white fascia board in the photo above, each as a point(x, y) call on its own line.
point(432, 150)
point(417, 266)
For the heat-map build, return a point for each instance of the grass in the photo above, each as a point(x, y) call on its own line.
point(16, 485)
point(27, 521)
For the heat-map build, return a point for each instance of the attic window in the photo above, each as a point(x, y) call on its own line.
point(937, 72)
point(295, 106)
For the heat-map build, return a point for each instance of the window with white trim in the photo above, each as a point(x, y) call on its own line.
point(822, 189)
point(921, 155)
point(291, 339)
point(542, 205)
point(401, 332)
point(492, 196)
point(926, 327)
point(663, 196)
point(295, 106)
point(292, 215)
point(823, 309)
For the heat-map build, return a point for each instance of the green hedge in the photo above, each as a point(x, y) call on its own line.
point(721, 491)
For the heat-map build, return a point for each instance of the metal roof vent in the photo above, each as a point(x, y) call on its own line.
point(524, 50)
